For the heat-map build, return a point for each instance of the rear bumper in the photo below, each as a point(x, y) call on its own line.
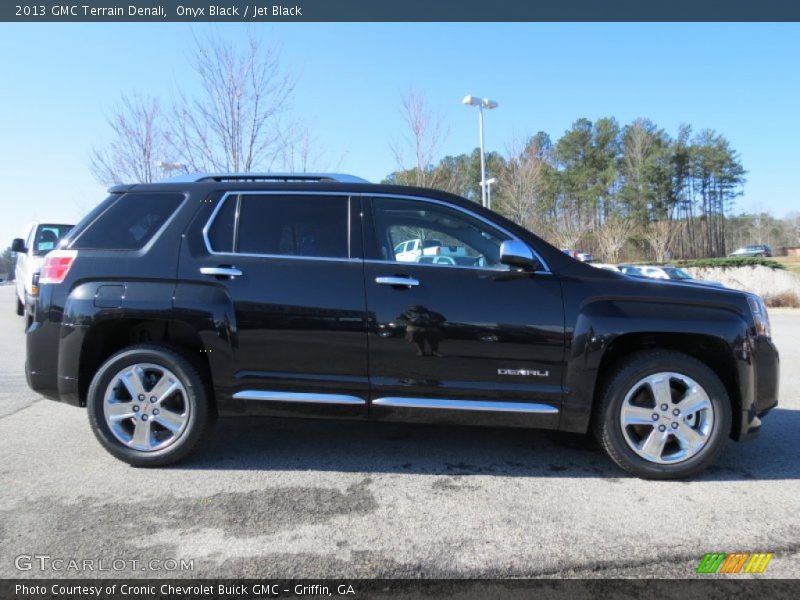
point(42, 370)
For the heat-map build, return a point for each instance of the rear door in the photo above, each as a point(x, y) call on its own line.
point(462, 339)
point(291, 265)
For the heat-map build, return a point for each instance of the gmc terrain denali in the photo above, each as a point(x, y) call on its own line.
point(291, 295)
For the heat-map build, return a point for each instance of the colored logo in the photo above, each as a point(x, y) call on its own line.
point(739, 562)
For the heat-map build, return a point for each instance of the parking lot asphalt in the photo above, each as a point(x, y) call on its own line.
point(293, 498)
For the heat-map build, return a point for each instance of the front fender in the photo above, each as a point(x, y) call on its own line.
point(602, 326)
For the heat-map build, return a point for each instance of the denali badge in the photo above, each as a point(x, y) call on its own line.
point(523, 372)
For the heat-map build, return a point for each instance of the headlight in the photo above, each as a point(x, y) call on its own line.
point(760, 316)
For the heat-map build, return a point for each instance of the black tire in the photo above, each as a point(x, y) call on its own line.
point(197, 394)
point(20, 308)
point(609, 431)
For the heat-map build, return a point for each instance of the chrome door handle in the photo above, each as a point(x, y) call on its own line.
point(221, 271)
point(403, 281)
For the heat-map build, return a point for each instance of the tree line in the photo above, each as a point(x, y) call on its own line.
point(621, 191)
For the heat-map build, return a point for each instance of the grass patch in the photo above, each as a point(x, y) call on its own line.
point(792, 263)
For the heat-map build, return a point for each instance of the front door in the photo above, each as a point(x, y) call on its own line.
point(452, 332)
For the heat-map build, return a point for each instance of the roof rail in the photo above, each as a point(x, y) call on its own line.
point(282, 177)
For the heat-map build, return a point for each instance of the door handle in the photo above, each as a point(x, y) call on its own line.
point(221, 271)
point(399, 281)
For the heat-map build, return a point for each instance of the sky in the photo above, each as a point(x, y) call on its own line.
point(61, 82)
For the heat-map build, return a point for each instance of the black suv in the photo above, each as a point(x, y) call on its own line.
point(296, 295)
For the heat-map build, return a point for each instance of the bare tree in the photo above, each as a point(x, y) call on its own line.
point(137, 140)
point(612, 236)
point(522, 177)
point(234, 123)
point(793, 221)
point(419, 146)
point(301, 153)
point(661, 235)
point(568, 225)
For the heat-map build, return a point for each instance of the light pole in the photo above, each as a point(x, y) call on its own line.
point(481, 103)
point(489, 183)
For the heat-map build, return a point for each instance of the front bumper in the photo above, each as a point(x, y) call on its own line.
point(761, 395)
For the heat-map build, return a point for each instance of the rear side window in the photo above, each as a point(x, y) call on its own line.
point(130, 222)
point(312, 226)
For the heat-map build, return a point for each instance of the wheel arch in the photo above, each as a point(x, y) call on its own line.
point(106, 337)
point(710, 350)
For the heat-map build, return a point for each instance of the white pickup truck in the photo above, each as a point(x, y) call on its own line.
point(413, 250)
point(40, 238)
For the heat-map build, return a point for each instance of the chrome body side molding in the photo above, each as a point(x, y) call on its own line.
point(269, 396)
point(476, 405)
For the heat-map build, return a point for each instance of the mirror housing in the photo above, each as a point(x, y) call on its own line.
point(18, 245)
point(515, 253)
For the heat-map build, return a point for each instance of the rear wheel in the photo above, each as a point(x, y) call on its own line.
point(663, 415)
point(148, 406)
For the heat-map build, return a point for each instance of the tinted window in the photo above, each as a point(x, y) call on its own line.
point(456, 238)
point(130, 222)
point(293, 225)
point(220, 234)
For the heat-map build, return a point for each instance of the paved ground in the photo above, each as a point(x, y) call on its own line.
point(294, 498)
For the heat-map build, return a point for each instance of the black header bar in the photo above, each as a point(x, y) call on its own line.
point(253, 11)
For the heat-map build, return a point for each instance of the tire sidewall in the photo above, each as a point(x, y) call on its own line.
point(683, 365)
point(195, 392)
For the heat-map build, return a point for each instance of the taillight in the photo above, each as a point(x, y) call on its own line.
point(35, 284)
point(56, 266)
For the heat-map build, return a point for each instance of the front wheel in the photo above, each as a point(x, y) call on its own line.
point(148, 406)
point(20, 308)
point(663, 415)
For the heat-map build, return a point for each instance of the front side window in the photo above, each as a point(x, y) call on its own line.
point(414, 231)
point(292, 225)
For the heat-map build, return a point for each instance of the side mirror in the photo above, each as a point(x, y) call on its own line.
point(18, 245)
point(515, 253)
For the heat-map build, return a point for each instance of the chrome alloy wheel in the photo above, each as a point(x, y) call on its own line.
point(666, 418)
point(146, 407)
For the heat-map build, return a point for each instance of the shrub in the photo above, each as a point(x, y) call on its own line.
point(782, 300)
point(727, 263)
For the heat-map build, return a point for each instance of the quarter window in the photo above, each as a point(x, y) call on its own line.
point(129, 222)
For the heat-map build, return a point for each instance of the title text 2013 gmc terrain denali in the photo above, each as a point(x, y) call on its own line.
point(292, 295)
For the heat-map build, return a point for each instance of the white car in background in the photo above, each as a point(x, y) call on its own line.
point(414, 250)
point(606, 267)
point(674, 274)
point(39, 239)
